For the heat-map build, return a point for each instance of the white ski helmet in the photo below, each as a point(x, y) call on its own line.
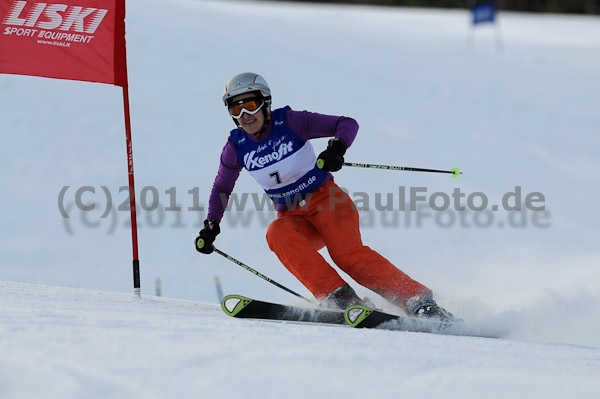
point(247, 82)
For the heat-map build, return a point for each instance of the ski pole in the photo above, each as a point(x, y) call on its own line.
point(275, 283)
point(454, 171)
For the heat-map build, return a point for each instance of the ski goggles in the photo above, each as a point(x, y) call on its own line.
point(250, 105)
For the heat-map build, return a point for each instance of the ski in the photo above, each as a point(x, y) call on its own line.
point(365, 317)
point(248, 308)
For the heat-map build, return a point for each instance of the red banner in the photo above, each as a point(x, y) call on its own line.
point(64, 39)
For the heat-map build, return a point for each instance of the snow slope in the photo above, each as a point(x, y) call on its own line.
point(74, 343)
point(426, 90)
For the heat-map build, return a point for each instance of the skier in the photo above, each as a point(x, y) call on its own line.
point(312, 211)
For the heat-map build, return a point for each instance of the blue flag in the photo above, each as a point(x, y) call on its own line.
point(485, 12)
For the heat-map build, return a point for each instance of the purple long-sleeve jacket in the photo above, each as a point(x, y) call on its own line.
point(307, 125)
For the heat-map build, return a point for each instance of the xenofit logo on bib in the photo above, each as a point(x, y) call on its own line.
point(252, 162)
point(74, 23)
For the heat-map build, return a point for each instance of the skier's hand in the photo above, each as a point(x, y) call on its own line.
point(204, 241)
point(332, 159)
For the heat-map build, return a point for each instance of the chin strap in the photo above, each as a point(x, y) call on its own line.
point(267, 115)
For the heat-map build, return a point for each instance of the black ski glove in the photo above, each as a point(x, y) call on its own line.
point(332, 159)
point(204, 242)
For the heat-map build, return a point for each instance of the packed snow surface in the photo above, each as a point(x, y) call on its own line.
point(512, 105)
point(73, 343)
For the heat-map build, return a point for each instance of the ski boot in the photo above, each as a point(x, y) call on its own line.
point(344, 297)
point(426, 307)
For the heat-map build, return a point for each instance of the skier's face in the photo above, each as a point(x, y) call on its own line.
point(252, 124)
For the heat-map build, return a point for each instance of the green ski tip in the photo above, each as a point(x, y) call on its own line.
point(233, 304)
point(355, 315)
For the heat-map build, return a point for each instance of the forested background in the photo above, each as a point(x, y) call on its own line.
point(554, 6)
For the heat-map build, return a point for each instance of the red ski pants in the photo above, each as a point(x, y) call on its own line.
point(330, 219)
